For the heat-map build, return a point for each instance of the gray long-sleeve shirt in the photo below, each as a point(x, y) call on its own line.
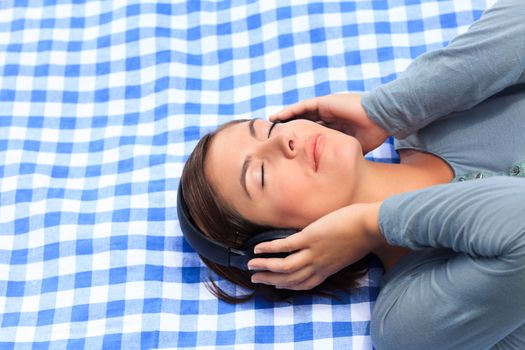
point(469, 293)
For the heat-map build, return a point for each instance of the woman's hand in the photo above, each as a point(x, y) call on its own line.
point(342, 112)
point(321, 249)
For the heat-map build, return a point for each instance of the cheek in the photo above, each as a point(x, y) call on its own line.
point(286, 205)
point(291, 205)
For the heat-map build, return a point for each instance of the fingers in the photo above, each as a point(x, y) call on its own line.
point(285, 245)
point(280, 280)
point(308, 284)
point(288, 273)
point(295, 272)
point(292, 263)
point(304, 279)
point(306, 108)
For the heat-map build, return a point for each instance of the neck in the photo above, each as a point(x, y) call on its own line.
point(382, 180)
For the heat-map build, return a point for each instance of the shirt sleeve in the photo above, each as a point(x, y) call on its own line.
point(473, 299)
point(486, 59)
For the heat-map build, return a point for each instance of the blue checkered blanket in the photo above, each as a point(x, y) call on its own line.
point(101, 102)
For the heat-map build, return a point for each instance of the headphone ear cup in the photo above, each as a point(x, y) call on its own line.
point(266, 237)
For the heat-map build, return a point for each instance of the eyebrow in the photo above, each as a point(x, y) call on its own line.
point(248, 159)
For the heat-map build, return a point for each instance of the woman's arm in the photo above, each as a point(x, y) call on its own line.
point(471, 300)
point(486, 59)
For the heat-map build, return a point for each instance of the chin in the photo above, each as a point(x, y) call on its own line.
point(346, 149)
point(356, 145)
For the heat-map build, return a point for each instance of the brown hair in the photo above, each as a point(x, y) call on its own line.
point(223, 224)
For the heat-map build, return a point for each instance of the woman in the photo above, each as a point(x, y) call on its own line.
point(454, 253)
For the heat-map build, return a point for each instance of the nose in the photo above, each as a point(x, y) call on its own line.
point(284, 144)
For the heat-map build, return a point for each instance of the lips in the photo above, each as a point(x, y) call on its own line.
point(315, 149)
point(319, 143)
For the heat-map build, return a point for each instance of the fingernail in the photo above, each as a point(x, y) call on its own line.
point(254, 280)
point(255, 251)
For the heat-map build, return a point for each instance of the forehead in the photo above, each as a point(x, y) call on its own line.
point(223, 162)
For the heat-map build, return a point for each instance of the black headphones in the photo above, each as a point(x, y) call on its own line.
point(217, 252)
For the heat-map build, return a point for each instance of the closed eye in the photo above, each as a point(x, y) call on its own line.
point(262, 165)
point(271, 128)
point(262, 175)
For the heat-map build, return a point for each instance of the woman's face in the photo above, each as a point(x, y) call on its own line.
point(288, 176)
